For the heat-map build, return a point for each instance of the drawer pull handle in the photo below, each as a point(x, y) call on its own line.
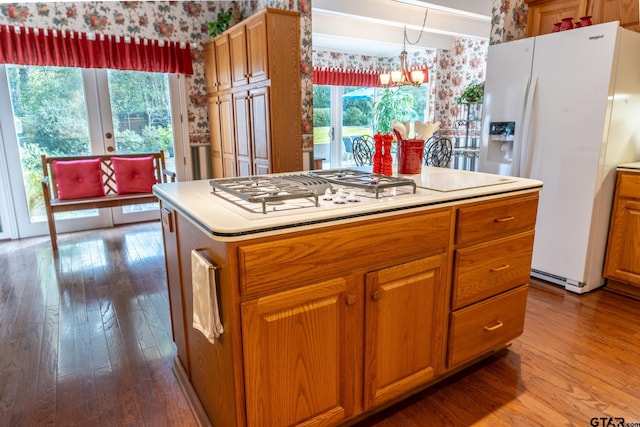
point(502, 267)
point(504, 219)
point(494, 327)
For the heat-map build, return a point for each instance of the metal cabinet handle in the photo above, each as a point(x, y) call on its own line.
point(494, 327)
point(504, 219)
point(352, 299)
point(502, 267)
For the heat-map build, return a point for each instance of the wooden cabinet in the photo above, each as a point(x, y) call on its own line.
point(295, 363)
point(542, 14)
point(257, 54)
point(176, 297)
point(223, 150)
point(217, 71)
point(257, 62)
point(253, 142)
point(625, 11)
point(405, 308)
point(242, 125)
point(481, 327)
point(492, 263)
point(238, 49)
point(325, 324)
point(305, 321)
point(622, 264)
point(211, 72)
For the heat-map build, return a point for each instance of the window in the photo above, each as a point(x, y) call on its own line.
point(341, 113)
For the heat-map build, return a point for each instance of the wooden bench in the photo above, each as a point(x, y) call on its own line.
point(53, 203)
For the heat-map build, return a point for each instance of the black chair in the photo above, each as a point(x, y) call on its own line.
point(363, 150)
point(437, 151)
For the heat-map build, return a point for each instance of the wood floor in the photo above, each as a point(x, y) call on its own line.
point(85, 340)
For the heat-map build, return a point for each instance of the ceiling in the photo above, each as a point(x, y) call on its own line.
point(375, 27)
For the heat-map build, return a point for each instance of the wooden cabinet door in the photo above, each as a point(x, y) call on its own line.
point(625, 11)
point(257, 56)
point(215, 137)
point(260, 140)
point(544, 13)
point(623, 253)
point(242, 120)
point(295, 355)
point(210, 73)
point(223, 62)
point(238, 50)
point(176, 296)
point(225, 104)
point(405, 335)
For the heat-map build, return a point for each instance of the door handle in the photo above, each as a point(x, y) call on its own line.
point(505, 219)
point(498, 325)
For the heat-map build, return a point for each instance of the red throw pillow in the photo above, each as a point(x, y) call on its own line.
point(134, 175)
point(77, 179)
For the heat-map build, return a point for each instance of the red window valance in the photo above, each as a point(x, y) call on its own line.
point(341, 77)
point(29, 46)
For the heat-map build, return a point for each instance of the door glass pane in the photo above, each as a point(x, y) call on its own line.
point(322, 123)
point(141, 110)
point(357, 118)
point(50, 118)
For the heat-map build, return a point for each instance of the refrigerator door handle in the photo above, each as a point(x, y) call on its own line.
point(526, 145)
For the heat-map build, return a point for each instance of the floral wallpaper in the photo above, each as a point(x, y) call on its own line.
point(182, 21)
point(370, 63)
point(509, 20)
point(466, 63)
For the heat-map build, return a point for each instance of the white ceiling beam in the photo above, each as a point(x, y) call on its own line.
point(375, 27)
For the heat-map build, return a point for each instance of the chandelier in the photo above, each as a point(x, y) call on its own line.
point(404, 76)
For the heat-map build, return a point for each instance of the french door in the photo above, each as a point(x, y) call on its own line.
point(71, 111)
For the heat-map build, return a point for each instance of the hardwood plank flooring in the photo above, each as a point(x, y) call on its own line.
point(85, 340)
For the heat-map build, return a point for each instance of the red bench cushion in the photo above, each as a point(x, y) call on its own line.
point(134, 175)
point(77, 179)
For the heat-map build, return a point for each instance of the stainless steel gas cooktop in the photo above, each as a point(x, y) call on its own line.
point(326, 189)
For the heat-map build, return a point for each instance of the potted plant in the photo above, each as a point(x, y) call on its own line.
point(394, 104)
point(222, 23)
point(472, 93)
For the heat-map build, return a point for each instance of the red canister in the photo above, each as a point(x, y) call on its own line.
point(410, 153)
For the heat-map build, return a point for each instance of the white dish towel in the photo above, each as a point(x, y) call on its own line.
point(206, 315)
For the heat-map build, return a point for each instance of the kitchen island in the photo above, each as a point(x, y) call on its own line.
point(335, 310)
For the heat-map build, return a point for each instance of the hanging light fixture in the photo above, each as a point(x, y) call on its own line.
point(404, 76)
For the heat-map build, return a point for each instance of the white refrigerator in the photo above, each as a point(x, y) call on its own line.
point(564, 108)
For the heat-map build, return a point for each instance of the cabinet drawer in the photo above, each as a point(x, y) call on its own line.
point(486, 269)
point(287, 263)
point(629, 185)
point(486, 325)
point(493, 220)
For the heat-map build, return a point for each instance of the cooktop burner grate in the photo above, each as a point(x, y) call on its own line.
point(270, 190)
point(359, 179)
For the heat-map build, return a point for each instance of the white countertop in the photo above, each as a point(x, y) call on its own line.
point(634, 165)
point(436, 187)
